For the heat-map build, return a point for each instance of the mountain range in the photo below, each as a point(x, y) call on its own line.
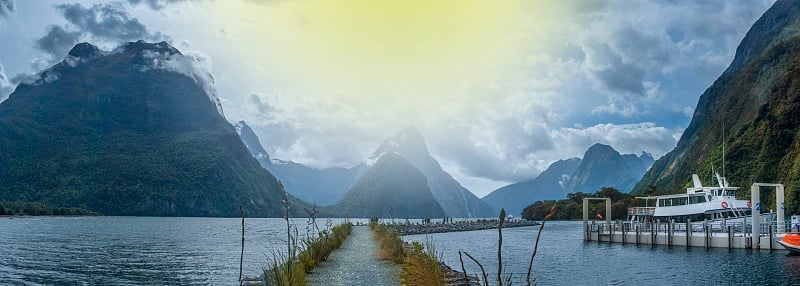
point(128, 132)
point(328, 186)
point(332, 185)
point(750, 116)
point(601, 166)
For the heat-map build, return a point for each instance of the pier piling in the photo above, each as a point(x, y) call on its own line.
point(730, 238)
point(688, 233)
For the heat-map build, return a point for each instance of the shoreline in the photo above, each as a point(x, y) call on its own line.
point(458, 226)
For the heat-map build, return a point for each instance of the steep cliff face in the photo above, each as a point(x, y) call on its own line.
point(128, 132)
point(755, 104)
point(602, 166)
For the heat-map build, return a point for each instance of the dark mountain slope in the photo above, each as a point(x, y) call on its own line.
point(123, 133)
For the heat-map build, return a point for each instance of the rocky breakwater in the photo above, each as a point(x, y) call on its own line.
point(454, 226)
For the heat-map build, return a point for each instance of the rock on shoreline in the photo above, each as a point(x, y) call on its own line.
point(411, 229)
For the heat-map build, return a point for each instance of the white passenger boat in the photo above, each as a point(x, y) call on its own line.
point(697, 204)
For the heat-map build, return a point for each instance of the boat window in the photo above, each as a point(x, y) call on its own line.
point(697, 199)
point(729, 193)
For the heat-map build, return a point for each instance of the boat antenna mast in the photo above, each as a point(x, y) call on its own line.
point(723, 148)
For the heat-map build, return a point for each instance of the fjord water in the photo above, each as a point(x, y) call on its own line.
point(205, 251)
point(564, 259)
point(137, 250)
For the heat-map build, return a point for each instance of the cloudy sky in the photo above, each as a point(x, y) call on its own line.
point(499, 89)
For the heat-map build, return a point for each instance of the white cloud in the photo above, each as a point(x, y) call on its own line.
point(607, 64)
point(6, 87)
point(190, 63)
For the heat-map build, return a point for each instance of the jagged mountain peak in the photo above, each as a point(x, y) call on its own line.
point(599, 150)
point(141, 46)
point(85, 50)
point(456, 200)
point(251, 140)
point(408, 141)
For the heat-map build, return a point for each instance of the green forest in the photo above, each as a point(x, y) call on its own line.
point(571, 208)
point(33, 208)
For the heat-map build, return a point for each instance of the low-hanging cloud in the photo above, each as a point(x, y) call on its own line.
point(7, 7)
point(6, 87)
point(102, 23)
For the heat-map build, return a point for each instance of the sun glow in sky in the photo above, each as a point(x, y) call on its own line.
point(499, 89)
point(367, 52)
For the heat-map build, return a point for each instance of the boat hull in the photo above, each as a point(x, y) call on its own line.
point(791, 242)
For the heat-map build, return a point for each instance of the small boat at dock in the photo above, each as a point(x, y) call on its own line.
point(791, 241)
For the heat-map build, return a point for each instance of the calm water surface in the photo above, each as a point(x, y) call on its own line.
point(205, 251)
point(136, 250)
point(564, 259)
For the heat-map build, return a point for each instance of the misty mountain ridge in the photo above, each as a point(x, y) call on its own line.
point(391, 187)
point(456, 200)
point(321, 186)
point(601, 166)
point(330, 185)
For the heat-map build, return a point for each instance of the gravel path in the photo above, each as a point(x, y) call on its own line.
point(356, 263)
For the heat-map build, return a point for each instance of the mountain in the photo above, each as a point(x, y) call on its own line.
point(392, 187)
point(602, 166)
point(549, 185)
point(328, 185)
point(133, 131)
point(456, 200)
point(756, 103)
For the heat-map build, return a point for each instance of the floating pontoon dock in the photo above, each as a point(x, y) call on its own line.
point(736, 233)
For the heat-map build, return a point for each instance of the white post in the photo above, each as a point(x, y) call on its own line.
point(755, 209)
point(608, 211)
point(586, 220)
point(779, 200)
